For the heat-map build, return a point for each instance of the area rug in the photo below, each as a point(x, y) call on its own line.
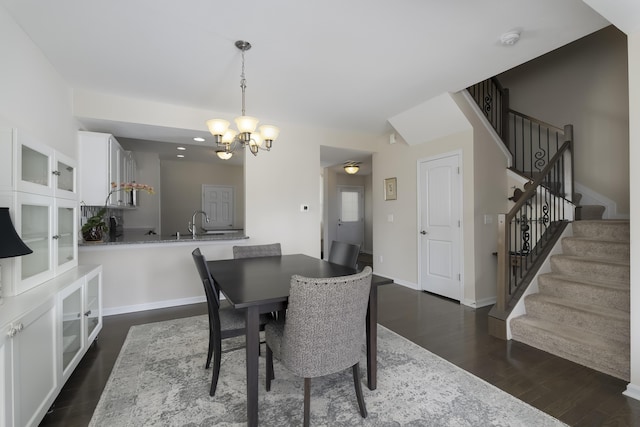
point(159, 380)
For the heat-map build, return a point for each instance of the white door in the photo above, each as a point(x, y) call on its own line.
point(217, 202)
point(351, 218)
point(440, 222)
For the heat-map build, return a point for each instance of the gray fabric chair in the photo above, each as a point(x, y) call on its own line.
point(255, 251)
point(224, 322)
point(344, 254)
point(323, 332)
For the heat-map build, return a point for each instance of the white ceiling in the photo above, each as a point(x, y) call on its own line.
point(336, 63)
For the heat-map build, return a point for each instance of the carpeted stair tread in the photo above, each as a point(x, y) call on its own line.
point(606, 229)
point(583, 290)
point(578, 345)
point(591, 267)
point(601, 320)
point(582, 309)
point(587, 212)
point(593, 247)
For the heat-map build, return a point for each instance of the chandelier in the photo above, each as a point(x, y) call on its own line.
point(229, 140)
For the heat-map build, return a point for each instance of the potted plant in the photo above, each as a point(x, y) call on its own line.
point(95, 227)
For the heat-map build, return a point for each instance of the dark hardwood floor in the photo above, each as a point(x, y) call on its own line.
point(572, 393)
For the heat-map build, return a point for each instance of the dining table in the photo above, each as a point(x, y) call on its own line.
point(261, 285)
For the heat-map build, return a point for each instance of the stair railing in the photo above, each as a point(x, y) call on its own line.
point(533, 224)
point(531, 142)
point(493, 100)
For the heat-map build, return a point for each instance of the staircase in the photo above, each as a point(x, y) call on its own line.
point(587, 211)
point(581, 312)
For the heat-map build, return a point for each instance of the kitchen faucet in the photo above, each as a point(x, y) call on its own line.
point(192, 225)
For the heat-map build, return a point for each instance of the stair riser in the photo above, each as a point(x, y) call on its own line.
point(584, 294)
point(596, 249)
point(589, 269)
point(598, 324)
point(613, 360)
point(608, 230)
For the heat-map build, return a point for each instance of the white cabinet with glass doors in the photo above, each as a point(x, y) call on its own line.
point(49, 227)
point(29, 166)
point(80, 319)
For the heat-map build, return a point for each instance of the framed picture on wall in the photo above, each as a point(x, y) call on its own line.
point(390, 189)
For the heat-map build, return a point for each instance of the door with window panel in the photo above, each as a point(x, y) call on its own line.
point(351, 219)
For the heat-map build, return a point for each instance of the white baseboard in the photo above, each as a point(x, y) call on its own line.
point(152, 305)
point(404, 283)
point(479, 303)
point(632, 391)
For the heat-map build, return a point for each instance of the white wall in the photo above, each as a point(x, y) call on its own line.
point(634, 158)
point(33, 95)
point(585, 84)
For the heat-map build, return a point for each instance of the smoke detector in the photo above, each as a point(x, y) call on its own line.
point(510, 38)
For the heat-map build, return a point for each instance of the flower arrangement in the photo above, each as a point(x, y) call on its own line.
point(95, 226)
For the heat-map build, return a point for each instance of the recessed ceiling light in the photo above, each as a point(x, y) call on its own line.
point(180, 156)
point(199, 139)
point(180, 148)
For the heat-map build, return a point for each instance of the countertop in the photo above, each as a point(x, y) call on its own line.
point(136, 238)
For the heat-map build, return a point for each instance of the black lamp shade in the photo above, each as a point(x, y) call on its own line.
point(10, 243)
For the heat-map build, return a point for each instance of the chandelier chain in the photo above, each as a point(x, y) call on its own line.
point(243, 83)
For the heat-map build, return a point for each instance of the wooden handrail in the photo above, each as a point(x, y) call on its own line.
point(504, 229)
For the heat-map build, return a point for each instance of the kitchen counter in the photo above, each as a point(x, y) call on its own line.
point(136, 238)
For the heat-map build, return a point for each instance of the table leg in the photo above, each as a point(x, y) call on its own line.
point(252, 349)
point(372, 339)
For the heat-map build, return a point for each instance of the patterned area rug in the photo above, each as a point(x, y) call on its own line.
point(159, 380)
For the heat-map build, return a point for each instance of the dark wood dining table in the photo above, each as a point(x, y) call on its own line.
point(261, 285)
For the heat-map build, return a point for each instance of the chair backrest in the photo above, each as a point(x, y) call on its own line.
point(210, 289)
point(324, 329)
point(344, 253)
point(255, 251)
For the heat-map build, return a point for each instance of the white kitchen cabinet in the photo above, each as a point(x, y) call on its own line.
point(43, 335)
point(80, 319)
point(48, 226)
point(93, 305)
point(29, 166)
point(103, 161)
point(28, 353)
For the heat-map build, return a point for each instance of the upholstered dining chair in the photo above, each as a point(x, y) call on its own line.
point(254, 251)
point(323, 331)
point(224, 322)
point(344, 253)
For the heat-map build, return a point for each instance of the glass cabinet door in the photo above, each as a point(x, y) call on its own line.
point(65, 236)
point(92, 306)
point(71, 326)
point(35, 231)
point(66, 177)
point(35, 167)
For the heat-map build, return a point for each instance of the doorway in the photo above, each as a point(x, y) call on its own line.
point(351, 220)
point(440, 228)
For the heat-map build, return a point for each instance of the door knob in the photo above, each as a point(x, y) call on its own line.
point(423, 232)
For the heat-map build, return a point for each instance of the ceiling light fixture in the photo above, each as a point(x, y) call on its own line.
point(351, 168)
point(510, 38)
point(230, 140)
point(180, 148)
point(198, 139)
